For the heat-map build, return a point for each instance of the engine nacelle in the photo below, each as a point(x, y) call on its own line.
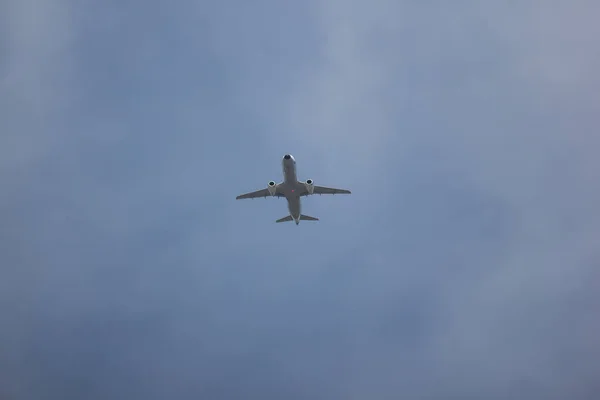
point(272, 188)
point(309, 186)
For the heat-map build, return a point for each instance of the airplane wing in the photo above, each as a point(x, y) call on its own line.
point(326, 190)
point(256, 194)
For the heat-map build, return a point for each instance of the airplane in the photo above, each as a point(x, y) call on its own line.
point(292, 189)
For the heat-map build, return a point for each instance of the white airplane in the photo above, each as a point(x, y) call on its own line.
point(292, 190)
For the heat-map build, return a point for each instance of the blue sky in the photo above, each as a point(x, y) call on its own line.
point(463, 266)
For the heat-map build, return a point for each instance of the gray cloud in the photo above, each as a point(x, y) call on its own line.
point(509, 94)
point(466, 263)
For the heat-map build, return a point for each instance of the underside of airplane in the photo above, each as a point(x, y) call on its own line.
point(292, 190)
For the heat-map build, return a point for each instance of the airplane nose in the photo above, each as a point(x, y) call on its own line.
point(287, 157)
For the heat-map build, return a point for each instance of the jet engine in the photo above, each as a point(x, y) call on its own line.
point(309, 186)
point(272, 188)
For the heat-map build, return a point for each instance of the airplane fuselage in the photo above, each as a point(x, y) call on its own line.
point(290, 187)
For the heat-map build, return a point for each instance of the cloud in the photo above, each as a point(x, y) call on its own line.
point(35, 77)
point(466, 263)
point(502, 97)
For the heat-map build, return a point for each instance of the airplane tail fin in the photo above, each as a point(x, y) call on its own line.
point(285, 219)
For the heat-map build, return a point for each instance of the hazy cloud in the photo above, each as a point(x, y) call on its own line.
point(464, 265)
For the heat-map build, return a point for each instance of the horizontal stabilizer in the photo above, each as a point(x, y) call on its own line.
point(308, 218)
point(285, 219)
